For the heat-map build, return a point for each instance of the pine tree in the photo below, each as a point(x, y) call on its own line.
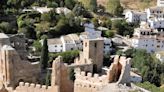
point(44, 55)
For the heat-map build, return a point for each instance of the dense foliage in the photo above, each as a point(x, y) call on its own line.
point(123, 28)
point(150, 68)
point(150, 87)
point(114, 7)
point(68, 56)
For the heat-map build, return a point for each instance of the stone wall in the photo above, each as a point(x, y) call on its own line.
point(85, 82)
point(27, 87)
point(13, 69)
point(118, 73)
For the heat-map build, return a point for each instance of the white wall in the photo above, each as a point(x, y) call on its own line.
point(55, 48)
point(107, 46)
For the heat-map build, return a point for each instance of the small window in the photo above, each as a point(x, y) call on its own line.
point(158, 46)
point(85, 44)
point(95, 45)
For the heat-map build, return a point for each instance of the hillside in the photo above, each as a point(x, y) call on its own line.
point(133, 4)
point(138, 4)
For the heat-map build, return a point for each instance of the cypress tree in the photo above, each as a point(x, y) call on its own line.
point(44, 55)
point(48, 79)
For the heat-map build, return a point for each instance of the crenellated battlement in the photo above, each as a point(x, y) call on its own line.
point(91, 78)
point(90, 82)
point(31, 87)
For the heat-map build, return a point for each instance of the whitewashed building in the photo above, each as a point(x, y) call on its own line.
point(75, 42)
point(160, 3)
point(160, 56)
point(64, 43)
point(42, 9)
point(155, 16)
point(135, 16)
point(148, 39)
point(55, 45)
point(63, 10)
point(107, 46)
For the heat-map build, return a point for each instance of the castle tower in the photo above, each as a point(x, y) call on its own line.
point(6, 65)
point(56, 74)
point(93, 49)
point(160, 3)
point(60, 76)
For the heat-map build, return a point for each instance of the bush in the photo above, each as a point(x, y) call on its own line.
point(68, 56)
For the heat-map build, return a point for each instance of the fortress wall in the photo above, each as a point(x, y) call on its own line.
point(85, 82)
point(27, 87)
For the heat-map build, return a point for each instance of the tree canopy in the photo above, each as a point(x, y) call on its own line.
point(114, 7)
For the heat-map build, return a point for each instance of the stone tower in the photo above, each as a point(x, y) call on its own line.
point(60, 76)
point(93, 49)
point(55, 77)
point(6, 65)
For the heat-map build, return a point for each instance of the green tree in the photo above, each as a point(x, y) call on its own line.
point(72, 74)
point(46, 17)
point(69, 3)
point(5, 27)
point(149, 86)
point(48, 79)
point(37, 46)
point(95, 22)
point(52, 4)
point(68, 56)
point(114, 7)
point(109, 33)
point(29, 31)
point(150, 69)
point(122, 27)
point(44, 55)
point(93, 5)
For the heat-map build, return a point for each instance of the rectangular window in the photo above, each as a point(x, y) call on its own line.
point(95, 45)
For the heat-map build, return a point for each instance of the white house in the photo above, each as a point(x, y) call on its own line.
point(89, 27)
point(55, 45)
point(64, 43)
point(148, 39)
point(63, 10)
point(135, 16)
point(160, 56)
point(42, 9)
point(107, 46)
point(90, 32)
point(155, 17)
point(160, 3)
point(135, 78)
